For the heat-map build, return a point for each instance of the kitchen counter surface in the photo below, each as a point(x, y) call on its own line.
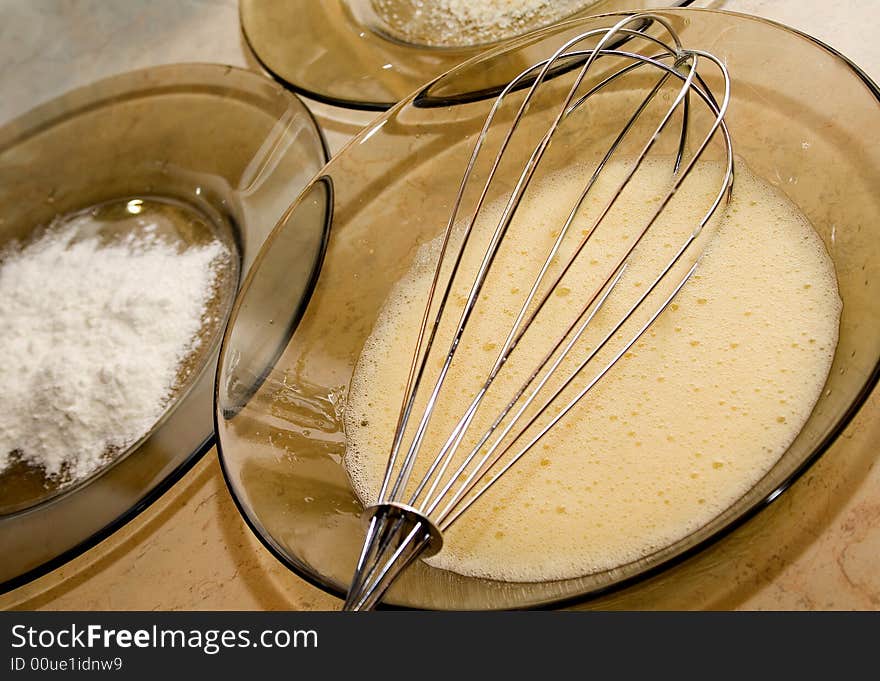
point(815, 548)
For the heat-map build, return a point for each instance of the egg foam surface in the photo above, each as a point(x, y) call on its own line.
point(688, 419)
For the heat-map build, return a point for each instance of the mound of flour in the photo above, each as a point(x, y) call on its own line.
point(92, 337)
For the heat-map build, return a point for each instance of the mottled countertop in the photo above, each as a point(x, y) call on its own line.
point(815, 548)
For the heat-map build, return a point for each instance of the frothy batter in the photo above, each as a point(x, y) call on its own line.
point(687, 421)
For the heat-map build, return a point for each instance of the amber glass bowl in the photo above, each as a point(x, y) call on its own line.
point(802, 116)
point(230, 144)
point(345, 53)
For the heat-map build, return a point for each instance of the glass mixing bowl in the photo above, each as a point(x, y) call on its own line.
point(802, 117)
point(229, 144)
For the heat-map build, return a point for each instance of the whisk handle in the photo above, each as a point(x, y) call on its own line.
point(397, 534)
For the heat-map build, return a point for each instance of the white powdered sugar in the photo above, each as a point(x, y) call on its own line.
point(93, 335)
point(470, 22)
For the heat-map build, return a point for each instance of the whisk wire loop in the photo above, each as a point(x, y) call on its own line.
point(417, 369)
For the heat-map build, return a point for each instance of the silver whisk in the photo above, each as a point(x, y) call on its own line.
point(411, 515)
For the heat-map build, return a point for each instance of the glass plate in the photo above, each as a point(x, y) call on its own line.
point(284, 375)
point(339, 52)
point(229, 143)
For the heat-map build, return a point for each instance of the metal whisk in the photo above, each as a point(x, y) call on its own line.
point(410, 515)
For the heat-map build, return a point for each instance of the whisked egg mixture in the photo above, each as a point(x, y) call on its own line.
point(691, 417)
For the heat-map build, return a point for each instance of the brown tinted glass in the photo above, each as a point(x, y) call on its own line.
point(229, 144)
point(279, 414)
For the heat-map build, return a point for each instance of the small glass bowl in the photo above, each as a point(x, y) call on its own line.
point(342, 52)
point(802, 116)
point(231, 145)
